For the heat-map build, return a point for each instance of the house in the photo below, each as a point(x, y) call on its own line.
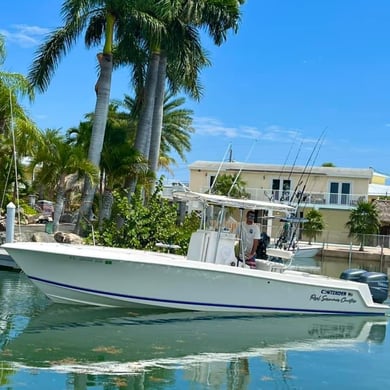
point(379, 193)
point(334, 191)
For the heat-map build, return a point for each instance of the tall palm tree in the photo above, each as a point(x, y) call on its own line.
point(176, 127)
point(103, 21)
point(56, 160)
point(118, 154)
point(120, 161)
point(364, 219)
point(182, 19)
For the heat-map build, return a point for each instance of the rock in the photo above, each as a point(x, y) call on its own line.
point(40, 237)
point(67, 238)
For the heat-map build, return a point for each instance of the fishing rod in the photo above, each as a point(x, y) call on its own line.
point(287, 157)
point(288, 235)
point(316, 149)
point(301, 181)
point(295, 160)
point(239, 172)
point(284, 166)
point(229, 148)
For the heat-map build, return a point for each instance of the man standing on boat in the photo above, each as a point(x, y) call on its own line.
point(249, 236)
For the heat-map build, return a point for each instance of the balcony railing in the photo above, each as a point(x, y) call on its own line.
point(309, 199)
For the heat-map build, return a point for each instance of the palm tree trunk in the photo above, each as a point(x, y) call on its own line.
point(144, 129)
point(106, 207)
point(142, 139)
point(102, 89)
point(155, 141)
point(58, 207)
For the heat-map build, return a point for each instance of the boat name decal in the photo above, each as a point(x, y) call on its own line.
point(333, 296)
point(333, 292)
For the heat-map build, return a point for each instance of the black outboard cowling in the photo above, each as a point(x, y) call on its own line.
point(379, 285)
point(352, 274)
point(378, 282)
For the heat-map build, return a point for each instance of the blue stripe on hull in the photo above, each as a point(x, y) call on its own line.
point(156, 301)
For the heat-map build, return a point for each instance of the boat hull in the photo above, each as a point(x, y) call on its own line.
point(115, 277)
point(307, 251)
point(6, 261)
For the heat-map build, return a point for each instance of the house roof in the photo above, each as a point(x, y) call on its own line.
point(234, 167)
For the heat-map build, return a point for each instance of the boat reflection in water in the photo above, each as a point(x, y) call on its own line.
point(114, 341)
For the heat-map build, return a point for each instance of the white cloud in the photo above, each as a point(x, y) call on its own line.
point(206, 126)
point(24, 35)
point(213, 127)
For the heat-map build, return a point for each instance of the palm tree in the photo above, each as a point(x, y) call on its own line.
point(120, 161)
point(179, 45)
point(56, 160)
point(314, 225)
point(107, 21)
point(230, 185)
point(364, 219)
point(12, 115)
point(176, 127)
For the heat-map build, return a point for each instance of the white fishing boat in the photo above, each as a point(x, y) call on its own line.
point(288, 238)
point(209, 278)
point(306, 250)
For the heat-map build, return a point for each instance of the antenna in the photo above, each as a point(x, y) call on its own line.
point(14, 156)
point(229, 149)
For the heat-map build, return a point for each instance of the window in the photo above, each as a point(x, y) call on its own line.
point(340, 193)
point(281, 189)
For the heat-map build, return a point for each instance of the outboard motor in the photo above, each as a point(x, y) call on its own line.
point(352, 274)
point(377, 282)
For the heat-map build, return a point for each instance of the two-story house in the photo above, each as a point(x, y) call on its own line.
point(333, 191)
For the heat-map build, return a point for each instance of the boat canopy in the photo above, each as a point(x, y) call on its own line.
point(222, 200)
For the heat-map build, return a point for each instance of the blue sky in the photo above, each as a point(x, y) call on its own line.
point(293, 69)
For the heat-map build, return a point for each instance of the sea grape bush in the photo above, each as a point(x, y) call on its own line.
point(141, 225)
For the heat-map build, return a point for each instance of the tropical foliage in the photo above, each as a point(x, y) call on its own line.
point(230, 185)
point(18, 134)
point(140, 226)
point(160, 42)
point(363, 220)
point(314, 225)
point(56, 159)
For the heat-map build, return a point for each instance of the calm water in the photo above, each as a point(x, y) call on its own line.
point(47, 346)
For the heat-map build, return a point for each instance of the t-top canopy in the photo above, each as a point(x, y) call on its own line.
point(222, 200)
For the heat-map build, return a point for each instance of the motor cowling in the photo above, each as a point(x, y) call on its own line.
point(378, 282)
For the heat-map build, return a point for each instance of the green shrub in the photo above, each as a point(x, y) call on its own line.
point(141, 226)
